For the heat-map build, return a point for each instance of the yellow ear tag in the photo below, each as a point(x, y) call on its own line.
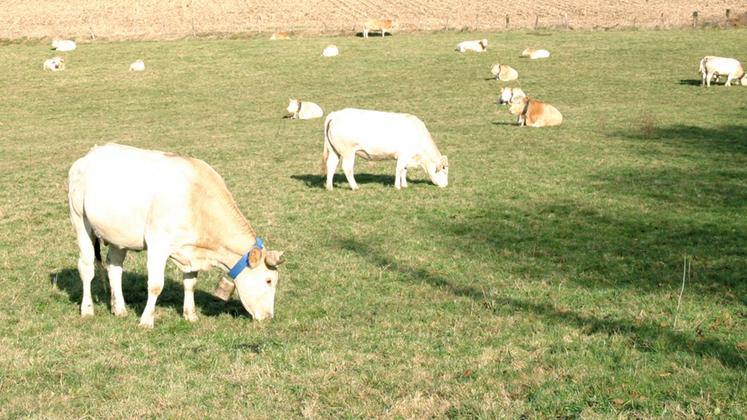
point(254, 257)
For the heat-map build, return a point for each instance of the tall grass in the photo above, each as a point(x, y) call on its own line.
point(544, 281)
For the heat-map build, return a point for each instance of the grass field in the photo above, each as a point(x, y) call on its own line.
point(543, 281)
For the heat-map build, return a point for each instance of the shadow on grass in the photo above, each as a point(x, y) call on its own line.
point(647, 337)
point(725, 139)
point(135, 290)
point(317, 181)
point(373, 34)
point(691, 82)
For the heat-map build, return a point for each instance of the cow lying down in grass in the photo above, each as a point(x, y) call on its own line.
point(375, 135)
point(533, 113)
point(303, 110)
point(177, 209)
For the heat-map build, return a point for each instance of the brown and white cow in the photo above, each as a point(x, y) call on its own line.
point(174, 207)
point(381, 25)
point(480, 45)
point(533, 113)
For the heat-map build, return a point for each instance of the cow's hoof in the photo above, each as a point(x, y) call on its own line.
point(119, 312)
point(86, 311)
point(191, 317)
point(146, 323)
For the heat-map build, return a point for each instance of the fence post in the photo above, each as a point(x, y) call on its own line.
point(695, 19)
point(536, 21)
point(507, 19)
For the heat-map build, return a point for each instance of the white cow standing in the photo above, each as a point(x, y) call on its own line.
point(376, 135)
point(175, 208)
point(711, 67)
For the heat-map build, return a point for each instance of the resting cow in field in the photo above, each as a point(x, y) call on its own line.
point(504, 72)
point(476, 46)
point(331, 51)
point(533, 113)
point(54, 64)
point(535, 54)
point(63, 45)
point(711, 67)
point(303, 110)
point(175, 208)
point(377, 25)
point(279, 36)
point(138, 65)
point(376, 135)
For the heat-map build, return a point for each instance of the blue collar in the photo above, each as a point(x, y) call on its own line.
point(244, 260)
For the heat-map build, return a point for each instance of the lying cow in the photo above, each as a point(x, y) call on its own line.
point(54, 64)
point(711, 67)
point(331, 51)
point(279, 36)
point(476, 46)
point(535, 54)
point(381, 25)
point(175, 208)
point(138, 65)
point(375, 135)
point(63, 45)
point(504, 72)
point(303, 110)
point(533, 113)
point(508, 94)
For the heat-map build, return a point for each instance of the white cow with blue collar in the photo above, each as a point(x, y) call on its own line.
point(175, 208)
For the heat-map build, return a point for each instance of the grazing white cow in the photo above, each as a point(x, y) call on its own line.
point(63, 45)
point(175, 208)
point(303, 110)
point(376, 135)
point(509, 93)
point(504, 72)
point(476, 46)
point(331, 51)
point(138, 65)
point(535, 54)
point(711, 66)
point(54, 64)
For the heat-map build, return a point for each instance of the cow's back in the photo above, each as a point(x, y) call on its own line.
point(118, 187)
point(380, 134)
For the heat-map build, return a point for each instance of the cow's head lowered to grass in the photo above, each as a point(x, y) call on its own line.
point(256, 278)
point(438, 171)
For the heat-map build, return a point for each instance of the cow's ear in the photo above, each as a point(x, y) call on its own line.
point(444, 161)
point(254, 257)
point(274, 258)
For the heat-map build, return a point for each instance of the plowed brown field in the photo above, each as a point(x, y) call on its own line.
point(158, 19)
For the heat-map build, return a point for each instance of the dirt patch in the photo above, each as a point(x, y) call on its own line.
point(160, 19)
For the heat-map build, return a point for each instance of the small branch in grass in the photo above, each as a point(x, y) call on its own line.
point(685, 273)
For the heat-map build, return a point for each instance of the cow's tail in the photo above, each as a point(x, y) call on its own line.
point(327, 145)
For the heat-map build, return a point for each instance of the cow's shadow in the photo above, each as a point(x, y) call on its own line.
point(317, 181)
point(373, 34)
point(135, 290)
point(690, 82)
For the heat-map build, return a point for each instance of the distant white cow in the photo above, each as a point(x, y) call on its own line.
point(331, 51)
point(63, 45)
point(138, 65)
point(476, 46)
point(504, 72)
point(175, 208)
point(535, 54)
point(303, 110)
point(711, 66)
point(54, 64)
point(375, 135)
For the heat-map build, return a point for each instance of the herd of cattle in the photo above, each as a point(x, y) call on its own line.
point(179, 208)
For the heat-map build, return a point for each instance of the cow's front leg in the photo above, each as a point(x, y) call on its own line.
point(156, 265)
point(400, 175)
point(347, 166)
point(190, 279)
point(114, 259)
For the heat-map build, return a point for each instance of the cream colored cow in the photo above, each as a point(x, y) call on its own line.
point(177, 209)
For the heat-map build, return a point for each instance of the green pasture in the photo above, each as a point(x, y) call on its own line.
point(544, 281)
